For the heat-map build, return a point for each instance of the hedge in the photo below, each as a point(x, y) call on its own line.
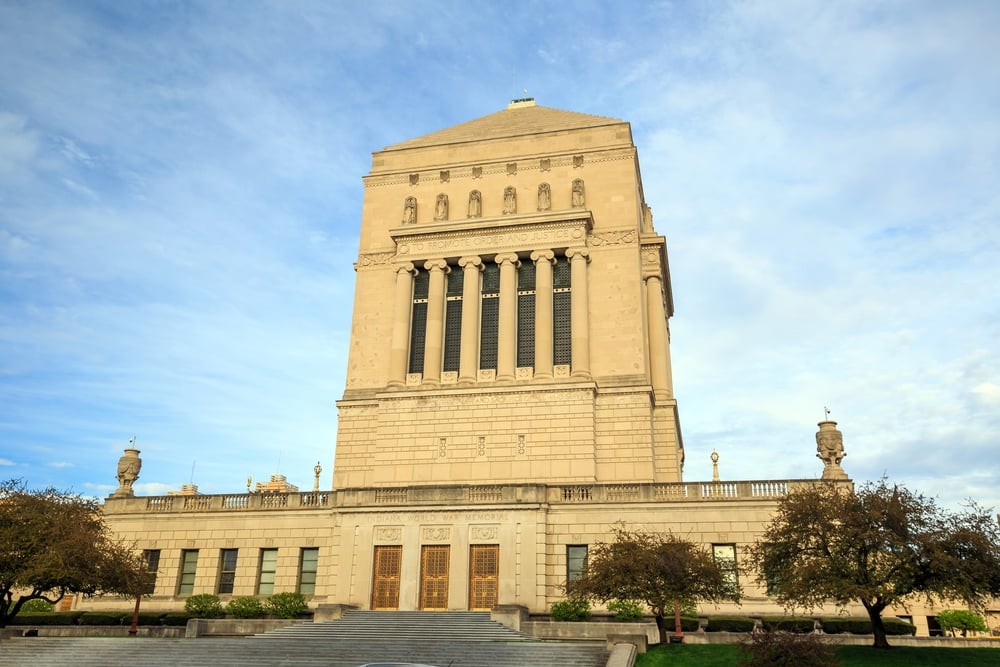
point(103, 618)
point(689, 623)
point(895, 626)
point(797, 624)
point(176, 618)
point(859, 625)
point(47, 618)
point(729, 624)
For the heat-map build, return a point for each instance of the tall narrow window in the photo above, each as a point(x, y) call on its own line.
point(576, 561)
point(453, 320)
point(308, 566)
point(189, 565)
point(152, 560)
point(725, 557)
point(489, 314)
point(268, 567)
point(562, 342)
point(418, 320)
point(526, 314)
point(227, 571)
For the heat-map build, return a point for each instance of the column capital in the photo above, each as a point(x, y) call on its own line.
point(472, 260)
point(646, 277)
point(507, 258)
point(438, 264)
point(543, 255)
point(583, 253)
point(406, 268)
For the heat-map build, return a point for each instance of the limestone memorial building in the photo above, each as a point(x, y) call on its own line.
point(509, 395)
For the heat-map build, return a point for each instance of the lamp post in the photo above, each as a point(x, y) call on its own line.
point(317, 469)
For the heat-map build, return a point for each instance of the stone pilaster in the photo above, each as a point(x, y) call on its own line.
point(580, 312)
point(544, 259)
point(434, 341)
point(468, 365)
point(402, 304)
point(507, 326)
point(659, 342)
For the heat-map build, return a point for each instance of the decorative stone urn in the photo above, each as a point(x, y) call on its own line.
point(128, 471)
point(830, 450)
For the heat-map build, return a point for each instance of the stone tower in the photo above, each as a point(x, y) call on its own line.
point(511, 311)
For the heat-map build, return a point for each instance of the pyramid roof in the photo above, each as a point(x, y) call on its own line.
point(521, 117)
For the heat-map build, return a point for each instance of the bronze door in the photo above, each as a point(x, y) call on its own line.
point(434, 578)
point(484, 575)
point(385, 578)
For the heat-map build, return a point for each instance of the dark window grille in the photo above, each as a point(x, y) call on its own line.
point(418, 321)
point(526, 315)
point(453, 334)
point(490, 316)
point(562, 343)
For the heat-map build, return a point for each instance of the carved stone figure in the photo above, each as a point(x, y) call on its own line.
point(830, 450)
point(441, 208)
point(577, 196)
point(410, 211)
point(475, 204)
point(544, 197)
point(128, 471)
point(509, 200)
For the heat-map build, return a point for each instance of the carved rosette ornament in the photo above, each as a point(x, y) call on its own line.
point(128, 471)
point(830, 450)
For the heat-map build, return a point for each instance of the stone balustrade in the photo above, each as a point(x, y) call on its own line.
point(730, 491)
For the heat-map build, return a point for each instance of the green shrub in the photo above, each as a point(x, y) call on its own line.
point(571, 609)
point(37, 605)
point(690, 623)
point(176, 618)
point(895, 626)
point(788, 623)
point(103, 618)
point(776, 648)
point(147, 618)
point(286, 605)
point(245, 608)
point(855, 625)
point(627, 610)
point(729, 624)
point(204, 606)
point(961, 620)
point(48, 618)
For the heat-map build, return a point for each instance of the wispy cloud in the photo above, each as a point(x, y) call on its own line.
point(179, 213)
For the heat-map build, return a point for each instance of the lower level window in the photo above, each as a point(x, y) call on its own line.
point(576, 561)
point(189, 565)
point(227, 571)
point(308, 566)
point(268, 567)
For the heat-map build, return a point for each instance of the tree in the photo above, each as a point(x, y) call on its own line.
point(54, 543)
point(961, 619)
point(660, 569)
point(880, 545)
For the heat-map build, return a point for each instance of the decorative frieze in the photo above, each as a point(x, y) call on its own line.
point(613, 237)
point(388, 534)
point(484, 533)
point(435, 533)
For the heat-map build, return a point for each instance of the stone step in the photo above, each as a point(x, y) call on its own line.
point(454, 639)
point(245, 652)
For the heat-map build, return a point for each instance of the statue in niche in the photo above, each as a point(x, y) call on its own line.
point(509, 200)
point(410, 211)
point(577, 197)
point(544, 197)
point(475, 204)
point(441, 208)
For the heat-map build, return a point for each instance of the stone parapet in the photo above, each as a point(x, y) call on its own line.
point(463, 494)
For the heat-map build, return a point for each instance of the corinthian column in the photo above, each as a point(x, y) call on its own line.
point(543, 312)
point(659, 342)
point(402, 302)
point(468, 361)
point(438, 268)
point(507, 325)
point(579, 312)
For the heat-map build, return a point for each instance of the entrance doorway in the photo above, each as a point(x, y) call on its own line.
point(484, 575)
point(434, 578)
point(385, 577)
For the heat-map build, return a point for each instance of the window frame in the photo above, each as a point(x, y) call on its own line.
point(304, 574)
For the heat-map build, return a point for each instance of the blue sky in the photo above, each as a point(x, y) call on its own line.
point(180, 198)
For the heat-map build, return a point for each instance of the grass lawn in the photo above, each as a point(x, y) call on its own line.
point(727, 655)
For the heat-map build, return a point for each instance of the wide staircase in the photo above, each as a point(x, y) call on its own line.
point(445, 639)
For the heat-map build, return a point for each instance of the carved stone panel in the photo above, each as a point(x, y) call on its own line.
point(484, 533)
point(435, 533)
point(388, 534)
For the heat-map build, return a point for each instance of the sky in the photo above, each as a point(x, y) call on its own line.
point(180, 201)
